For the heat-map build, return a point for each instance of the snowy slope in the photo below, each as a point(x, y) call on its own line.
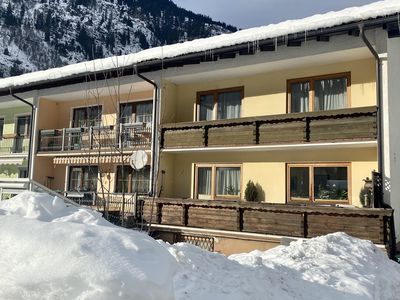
point(51, 251)
point(252, 35)
point(37, 35)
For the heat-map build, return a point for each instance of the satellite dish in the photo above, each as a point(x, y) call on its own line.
point(138, 160)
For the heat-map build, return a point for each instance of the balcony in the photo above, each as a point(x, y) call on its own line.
point(103, 138)
point(354, 124)
point(272, 219)
point(13, 145)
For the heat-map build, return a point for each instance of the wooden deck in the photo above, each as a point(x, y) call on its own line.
point(353, 124)
point(282, 220)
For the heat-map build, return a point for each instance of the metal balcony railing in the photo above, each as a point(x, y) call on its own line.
point(14, 145)
point(105, 138)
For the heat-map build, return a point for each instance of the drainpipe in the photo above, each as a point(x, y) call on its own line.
point(379, 103)
point(392, 236)
point(154, 152)
point(32, 122)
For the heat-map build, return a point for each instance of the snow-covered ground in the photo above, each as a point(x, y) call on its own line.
point(51, 251)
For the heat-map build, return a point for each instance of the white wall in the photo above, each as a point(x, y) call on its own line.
point(393, 49)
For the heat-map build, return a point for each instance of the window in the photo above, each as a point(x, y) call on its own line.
point(319, 93)
point(135, 112)
point(132, 181)
point(218, 182)
point(87, 116)
point(1, 128)
point(83, 179)
point(219, 104)
point(319, 182)
point(23, 126)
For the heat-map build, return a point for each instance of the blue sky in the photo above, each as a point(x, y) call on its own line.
point(251, 13)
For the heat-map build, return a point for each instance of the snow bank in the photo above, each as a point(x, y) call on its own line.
point(335, 267)
point(353, 14)
point(51, 251)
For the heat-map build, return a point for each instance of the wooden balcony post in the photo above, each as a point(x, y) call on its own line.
point(306, 121)
point(205, 135)
point(162, 138)
point(239, 220)
point(185, 209)
point(256, 132)
point(159, 213)
point(305, 224)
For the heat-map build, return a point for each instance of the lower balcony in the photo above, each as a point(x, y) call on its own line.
point(269, 219)
point(104, 138)
point(354, 124)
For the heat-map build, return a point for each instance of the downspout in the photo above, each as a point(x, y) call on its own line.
point(379, 104)
point(154, 136)
point(32, 122)
point(392, 236)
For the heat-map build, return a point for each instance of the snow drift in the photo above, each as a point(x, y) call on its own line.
point(51, 251)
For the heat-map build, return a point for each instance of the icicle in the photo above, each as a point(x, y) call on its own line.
point(276, 44)
point(305, 37)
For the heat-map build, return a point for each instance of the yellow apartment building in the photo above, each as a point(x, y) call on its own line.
point(305, 118)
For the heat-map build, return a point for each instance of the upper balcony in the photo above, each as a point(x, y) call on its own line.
point(344, 125)
point(103, 138)
point(14, 145)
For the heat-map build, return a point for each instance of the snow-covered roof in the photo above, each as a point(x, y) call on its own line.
point(330, 19)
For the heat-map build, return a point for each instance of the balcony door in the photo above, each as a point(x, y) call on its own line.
point(136, 112)
point(83, 179)
point(22, 131)
point(87, 116)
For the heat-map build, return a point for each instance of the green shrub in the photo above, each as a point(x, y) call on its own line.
point(251, 193)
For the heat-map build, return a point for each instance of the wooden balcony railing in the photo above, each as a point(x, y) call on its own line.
point(105, 138)
point(353, 124)
point(284, 220)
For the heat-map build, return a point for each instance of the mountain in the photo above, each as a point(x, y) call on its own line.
point(42, 34)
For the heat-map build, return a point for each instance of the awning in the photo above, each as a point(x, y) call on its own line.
point(86, 160)
point(11, 160)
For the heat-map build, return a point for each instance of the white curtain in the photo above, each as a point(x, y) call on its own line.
point(144, 112)
point(204, 182)
point(299, 93)
point(228, 181)
point(141, 180)
point(330, 94)
point(206, 107)
point(229, 105)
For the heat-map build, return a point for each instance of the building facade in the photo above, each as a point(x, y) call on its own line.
point(308, 116)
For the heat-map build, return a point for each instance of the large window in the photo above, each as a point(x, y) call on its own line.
point(83, 179)
point(131, 181)
point(218, 181)
point(319, 93)
point(219, 104)
point(1, 127)
point(319, 182)
point(87, 116)
point(135, 112)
